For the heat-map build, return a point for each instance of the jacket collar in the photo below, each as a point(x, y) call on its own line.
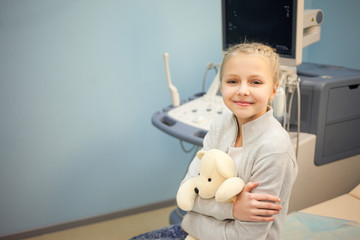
point(254, 129)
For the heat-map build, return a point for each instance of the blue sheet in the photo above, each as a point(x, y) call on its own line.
point(304, 226)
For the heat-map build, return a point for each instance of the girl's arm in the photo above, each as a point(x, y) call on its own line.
point(248, 206)
point(255, 207)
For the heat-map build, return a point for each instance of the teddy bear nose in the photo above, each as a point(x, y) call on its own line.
point(196, 190)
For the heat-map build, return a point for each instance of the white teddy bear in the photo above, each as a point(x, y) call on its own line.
point(217, 178)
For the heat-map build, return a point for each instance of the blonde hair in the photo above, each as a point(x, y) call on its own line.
point(256, 49)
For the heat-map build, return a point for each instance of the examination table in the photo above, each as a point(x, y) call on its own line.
point(337, 218)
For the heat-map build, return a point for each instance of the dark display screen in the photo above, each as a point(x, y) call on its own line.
point(265, 21)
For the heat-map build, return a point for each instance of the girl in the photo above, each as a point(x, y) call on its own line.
point(260, 147)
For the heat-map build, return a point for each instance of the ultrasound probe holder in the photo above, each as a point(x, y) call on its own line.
point(179, 129)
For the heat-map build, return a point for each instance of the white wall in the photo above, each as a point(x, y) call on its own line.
point(339, 43)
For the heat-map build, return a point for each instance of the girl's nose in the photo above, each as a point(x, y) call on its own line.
point(243, 90)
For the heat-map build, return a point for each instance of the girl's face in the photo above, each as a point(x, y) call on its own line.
point(247, 86)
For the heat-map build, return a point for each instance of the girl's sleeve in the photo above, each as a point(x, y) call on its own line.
point(210, 207)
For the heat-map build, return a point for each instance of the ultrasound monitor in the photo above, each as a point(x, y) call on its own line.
point(275, 23)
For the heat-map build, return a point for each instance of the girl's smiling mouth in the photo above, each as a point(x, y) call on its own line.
point(243, 103)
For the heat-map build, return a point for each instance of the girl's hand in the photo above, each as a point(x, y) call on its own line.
point(255, 207)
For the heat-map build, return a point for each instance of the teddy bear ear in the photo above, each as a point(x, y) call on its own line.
point(200, 154)
point(226, 165)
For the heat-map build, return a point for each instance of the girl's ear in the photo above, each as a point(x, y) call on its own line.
point(274, 91)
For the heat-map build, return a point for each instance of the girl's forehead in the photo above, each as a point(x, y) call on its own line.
point(247, 60)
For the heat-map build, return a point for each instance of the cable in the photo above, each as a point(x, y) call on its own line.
point(298, 116)
point(195, 152)
point(194, 148)
point(209, 66)
point(285, 106)
point(285, 113)
point(283, 83)
point(289, 110)
point(183, 147)
point(289, 76)
point(297, 88)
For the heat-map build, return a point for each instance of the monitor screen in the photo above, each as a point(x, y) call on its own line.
point(274, 23)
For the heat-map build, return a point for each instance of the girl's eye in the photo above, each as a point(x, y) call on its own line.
point(256, 82)
point(231, 82)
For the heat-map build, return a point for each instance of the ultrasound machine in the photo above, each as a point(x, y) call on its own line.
point(316, 103)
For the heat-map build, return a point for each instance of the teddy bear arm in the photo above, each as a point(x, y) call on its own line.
point(229, 189)
point(185, 196)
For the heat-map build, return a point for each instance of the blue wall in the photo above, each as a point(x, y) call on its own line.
point(340, 34)
point(79, 82)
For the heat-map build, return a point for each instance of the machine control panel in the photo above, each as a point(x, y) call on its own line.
point(199, 112)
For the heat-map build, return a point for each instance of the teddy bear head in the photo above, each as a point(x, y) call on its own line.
point(215, 167)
